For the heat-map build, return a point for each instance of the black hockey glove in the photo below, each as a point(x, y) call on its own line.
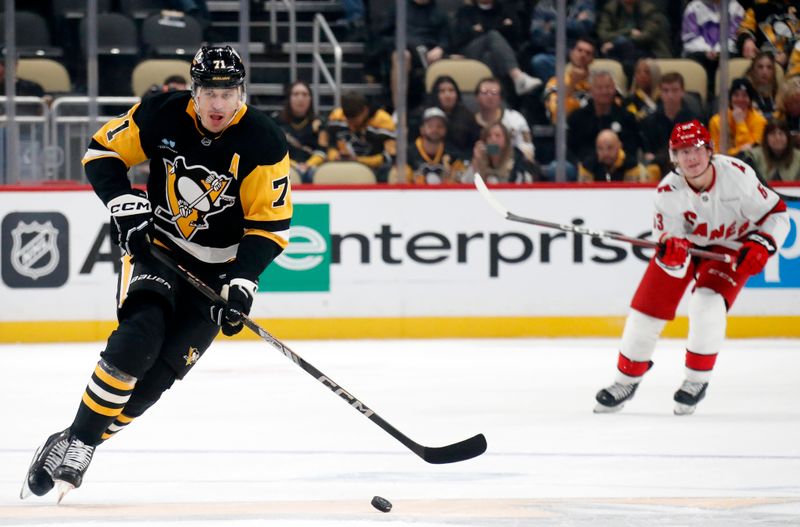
point(239, 294)
point(131, 222)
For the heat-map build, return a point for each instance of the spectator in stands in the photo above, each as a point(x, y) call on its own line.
point(700, 33)
point(355, 16)
point(489, 93)
point(195, 8)
point(745, 123)
point(771, 25)
point(643, 93)
point(427, 40)
point(490, 31)
point(430, 158)
point(580, 23)
point(302, 127)
point(171, 83)
point(787, 107)
point(632, 29)
point(497, 160)
point(462, 129)
point(609, 162)
point(357, 131)
point(763, 75)
point(775, 159)
point(602, 112)
point(576, 79)
point(22, 87)
point(657, 127)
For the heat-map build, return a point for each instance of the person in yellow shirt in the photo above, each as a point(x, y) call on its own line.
point(576, 79)
point(745, 123)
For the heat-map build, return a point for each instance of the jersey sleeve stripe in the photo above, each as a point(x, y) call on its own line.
point(281, 238)
point(273, 226)
point(93, 153)
point(779, 207)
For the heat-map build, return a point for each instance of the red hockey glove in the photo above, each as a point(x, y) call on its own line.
point(673, 251)
point(755, 252)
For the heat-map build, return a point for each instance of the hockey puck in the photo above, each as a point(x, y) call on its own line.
point(382, 504)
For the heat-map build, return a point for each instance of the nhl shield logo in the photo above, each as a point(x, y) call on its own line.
point(35, 250)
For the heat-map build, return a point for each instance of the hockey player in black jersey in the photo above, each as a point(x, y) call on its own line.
point(219, 202)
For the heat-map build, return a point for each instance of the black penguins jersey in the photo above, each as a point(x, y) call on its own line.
point(208, 192)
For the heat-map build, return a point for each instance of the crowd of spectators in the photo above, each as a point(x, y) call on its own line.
point(504, 127)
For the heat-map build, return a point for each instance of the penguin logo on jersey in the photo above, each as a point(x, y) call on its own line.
point(192, 356)
point(193, 194)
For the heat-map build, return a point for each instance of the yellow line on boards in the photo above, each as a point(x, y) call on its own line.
point(427, 327)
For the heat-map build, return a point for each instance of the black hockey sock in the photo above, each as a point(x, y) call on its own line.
point(106, 395)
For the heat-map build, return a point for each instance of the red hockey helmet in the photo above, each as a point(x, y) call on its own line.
point(690, 134)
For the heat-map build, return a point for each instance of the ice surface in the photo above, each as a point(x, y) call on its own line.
point(250, 439)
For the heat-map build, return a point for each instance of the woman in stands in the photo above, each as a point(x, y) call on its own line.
point(642, 97)
point(497, 160)
point(745, 123)
point(462, 130)
point(302, 126)
point(775, 159)
point(762, 74)
point(788, 107)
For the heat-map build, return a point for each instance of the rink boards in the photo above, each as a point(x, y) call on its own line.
point(376, 263)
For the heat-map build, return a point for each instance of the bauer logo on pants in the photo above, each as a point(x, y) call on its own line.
point(783, 269)
point(35, 249)
point(305, 265)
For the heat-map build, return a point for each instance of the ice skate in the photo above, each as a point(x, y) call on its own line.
point(69, 475)
point(688, 395)
point(39, 479)
point(613, 398)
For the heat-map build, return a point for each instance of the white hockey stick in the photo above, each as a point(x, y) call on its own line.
point(568, 227)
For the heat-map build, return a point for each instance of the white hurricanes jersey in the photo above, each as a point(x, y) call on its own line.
point(734, 205)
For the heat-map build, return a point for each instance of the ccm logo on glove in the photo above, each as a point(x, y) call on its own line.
point(131, 222)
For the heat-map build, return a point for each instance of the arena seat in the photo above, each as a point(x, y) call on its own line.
point(466, 72)
point(343, 173)
point(166, 36)
point(155, 71)
point(738, 66)
point(33, 37)
point(694, 75)
point(615, 69)
point(51, 75)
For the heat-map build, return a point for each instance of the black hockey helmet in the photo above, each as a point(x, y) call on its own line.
point(217, 67)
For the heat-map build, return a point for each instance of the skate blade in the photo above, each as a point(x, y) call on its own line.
point(603, 409)
point(684, 409)
point(25, 492)
point(63, 488)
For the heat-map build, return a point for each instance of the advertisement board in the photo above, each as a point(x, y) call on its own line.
point(406, 262)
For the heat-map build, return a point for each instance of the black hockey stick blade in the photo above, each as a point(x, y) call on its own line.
point(461, 451)
point(466, 449)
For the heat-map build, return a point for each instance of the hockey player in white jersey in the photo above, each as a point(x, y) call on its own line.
point(717, 203)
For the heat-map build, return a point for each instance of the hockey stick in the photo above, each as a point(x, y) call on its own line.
point(486, 193)
point(461, 451)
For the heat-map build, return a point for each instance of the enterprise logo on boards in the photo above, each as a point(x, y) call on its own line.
point(783, 269)
point(35, 249)
point(305, 264)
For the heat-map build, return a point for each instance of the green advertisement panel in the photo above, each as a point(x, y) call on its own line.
point(305, 265)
